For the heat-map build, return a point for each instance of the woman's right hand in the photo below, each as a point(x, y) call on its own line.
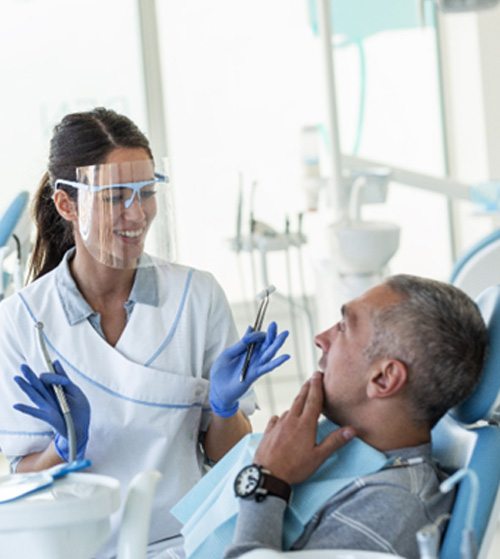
point(226, 388)
point(40, 390)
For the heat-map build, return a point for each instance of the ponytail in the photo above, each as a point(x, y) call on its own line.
point(54, 234)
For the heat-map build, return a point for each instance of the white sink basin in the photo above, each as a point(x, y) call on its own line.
point(71, 518)
point(365, 247)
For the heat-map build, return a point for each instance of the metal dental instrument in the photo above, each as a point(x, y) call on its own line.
point(60, 395)
point(264, 301)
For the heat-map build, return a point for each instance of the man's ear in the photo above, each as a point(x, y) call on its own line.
point(388, 377)
point(65, 206)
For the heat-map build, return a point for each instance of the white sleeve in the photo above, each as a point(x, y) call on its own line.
point(20, 434)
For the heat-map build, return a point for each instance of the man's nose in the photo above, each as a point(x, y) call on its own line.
point(319, 340)
point(323, 339)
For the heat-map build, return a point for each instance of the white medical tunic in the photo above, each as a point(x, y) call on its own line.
point(148, 394)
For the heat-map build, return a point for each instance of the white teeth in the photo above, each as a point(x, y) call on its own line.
point(131, 234)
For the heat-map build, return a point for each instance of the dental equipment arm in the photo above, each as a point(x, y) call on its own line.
point(225, 386)
point(61, 398)
point(40, 390)
point(429, 537)
point(468, 545)
point(456, 6)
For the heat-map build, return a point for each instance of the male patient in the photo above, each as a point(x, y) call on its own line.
point(402, 355)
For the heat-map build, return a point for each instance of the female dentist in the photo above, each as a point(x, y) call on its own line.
point(135, 337)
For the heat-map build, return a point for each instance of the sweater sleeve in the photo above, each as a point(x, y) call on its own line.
point(259, 525)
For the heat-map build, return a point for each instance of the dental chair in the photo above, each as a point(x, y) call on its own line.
point(478, 267)
point(467, 439)
point(15, 229)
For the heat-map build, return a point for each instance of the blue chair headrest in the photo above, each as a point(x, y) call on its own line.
point(11, 216)
point(484, 400)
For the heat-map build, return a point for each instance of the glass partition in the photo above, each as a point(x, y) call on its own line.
point(57, 57)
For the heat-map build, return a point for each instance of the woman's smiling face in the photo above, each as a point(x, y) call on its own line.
point(114, 233)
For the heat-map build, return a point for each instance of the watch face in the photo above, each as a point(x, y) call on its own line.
point(247, 481)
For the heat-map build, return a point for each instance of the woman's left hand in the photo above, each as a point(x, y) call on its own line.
point(225, 386)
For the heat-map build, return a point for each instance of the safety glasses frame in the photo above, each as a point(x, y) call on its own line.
point(136, 186)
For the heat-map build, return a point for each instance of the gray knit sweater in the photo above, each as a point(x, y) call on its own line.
point(380, 512)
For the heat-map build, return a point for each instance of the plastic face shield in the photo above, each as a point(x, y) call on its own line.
point(125, 212)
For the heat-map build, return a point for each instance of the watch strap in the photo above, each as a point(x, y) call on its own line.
point(274, 486)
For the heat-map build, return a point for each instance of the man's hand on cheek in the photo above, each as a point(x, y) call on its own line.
point(288, 449)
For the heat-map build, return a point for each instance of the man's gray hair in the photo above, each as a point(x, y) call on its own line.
point(438, 332)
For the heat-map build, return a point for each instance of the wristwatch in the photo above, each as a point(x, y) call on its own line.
point(255, 482)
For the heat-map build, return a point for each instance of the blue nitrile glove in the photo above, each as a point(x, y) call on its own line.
point(40, 391)
point(225, 386)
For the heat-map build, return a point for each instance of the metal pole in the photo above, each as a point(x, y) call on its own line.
point(452, 221)
point(153, 86)
point(338, 190)
point(442, 185)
